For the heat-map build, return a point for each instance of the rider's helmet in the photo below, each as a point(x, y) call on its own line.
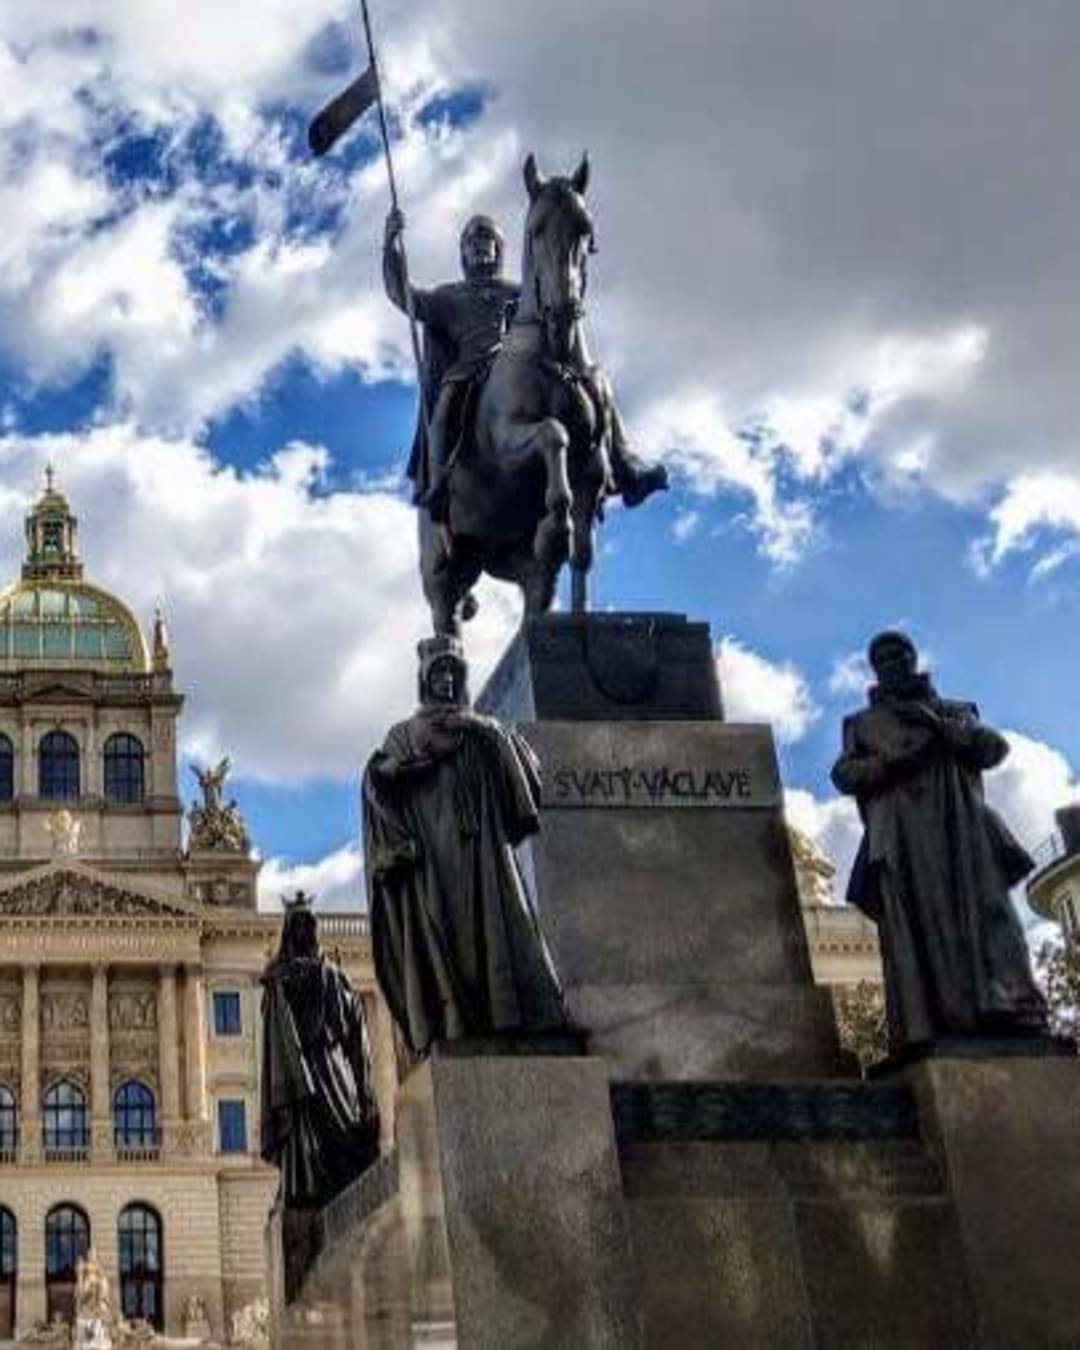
point(482, 247)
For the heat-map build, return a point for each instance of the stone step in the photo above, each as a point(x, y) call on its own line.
point(786, 1171)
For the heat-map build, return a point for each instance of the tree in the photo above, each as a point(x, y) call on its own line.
point(1058, 969)
point(860, 1021)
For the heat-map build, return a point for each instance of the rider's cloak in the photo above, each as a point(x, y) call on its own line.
point(457, 948)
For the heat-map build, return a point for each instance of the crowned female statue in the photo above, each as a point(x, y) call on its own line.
point(320, 1119)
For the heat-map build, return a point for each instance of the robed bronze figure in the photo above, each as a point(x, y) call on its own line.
point(457, 949)
point(320, 1119)
point(936, 863)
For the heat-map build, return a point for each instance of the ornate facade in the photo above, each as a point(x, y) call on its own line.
point(129, 968)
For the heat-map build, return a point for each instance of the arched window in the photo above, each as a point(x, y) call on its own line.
point(58, 767)
point(67, 1238)
point(9, 1121)
point(9, 1270)
point(134, 1116)
point(7, 768)
point(140, 1258)
point(124, 768)
point(63, 1118)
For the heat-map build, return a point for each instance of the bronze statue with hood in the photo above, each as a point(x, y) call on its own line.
point(936, 863)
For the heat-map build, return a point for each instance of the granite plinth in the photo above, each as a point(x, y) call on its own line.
point(664, 883)
point(605, 667)
point(513, 1208)
point(1005, 1131)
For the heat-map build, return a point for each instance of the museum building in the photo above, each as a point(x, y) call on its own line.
point(130, 954)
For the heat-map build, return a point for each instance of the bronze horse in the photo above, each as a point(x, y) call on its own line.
point(528, 484)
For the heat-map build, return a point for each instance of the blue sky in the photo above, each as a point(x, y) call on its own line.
point(837, 290)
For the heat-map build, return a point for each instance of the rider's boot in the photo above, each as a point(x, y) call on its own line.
point(634, 482)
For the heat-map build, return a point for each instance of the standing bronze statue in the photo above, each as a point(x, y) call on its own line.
point(936, 863)
point(320, 1119)
point(458, 952)
point(520, 440)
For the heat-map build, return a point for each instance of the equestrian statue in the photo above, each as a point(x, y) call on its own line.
point(519, 441)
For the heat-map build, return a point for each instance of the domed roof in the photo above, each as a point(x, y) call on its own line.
point(52, 617)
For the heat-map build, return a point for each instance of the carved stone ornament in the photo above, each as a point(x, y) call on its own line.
point(65, 1011)
point(65, 830)
point(133, 1010)
point(59, 1069)
point(10, 1013)
point(70, 894)
point(142, 1070)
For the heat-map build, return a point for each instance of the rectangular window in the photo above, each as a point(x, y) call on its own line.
point(226, 1014)
point(232, 1127)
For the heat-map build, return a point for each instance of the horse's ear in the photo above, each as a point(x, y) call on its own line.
point(580, 181)
point(533, 181)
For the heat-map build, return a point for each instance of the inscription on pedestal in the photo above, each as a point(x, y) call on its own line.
point(654, 765)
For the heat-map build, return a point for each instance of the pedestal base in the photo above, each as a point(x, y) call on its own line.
point(512, 1204)
point(1007, 1133)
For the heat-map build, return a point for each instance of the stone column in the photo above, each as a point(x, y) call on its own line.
point(30, 1112)
point(168, 1052)
point(27, 774)
point(30, 1302)
point(195, 1045)
point(100, 1086)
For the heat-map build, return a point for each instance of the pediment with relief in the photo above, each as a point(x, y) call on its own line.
point(66, 688)
point(75, 892)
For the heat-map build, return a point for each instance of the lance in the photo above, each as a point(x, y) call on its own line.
point(328, 127)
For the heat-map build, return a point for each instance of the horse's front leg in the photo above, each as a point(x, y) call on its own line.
point(551, 543)
point(583, 512)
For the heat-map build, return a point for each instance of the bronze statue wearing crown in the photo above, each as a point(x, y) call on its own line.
point(320, 1119)
point(457, 948)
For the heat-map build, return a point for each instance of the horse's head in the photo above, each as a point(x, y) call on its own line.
point(558, 241)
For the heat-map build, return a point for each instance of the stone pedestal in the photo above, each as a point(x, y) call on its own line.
point(1007, 1134)
point(663, 874)
point(605, 667)
point(511, 1198)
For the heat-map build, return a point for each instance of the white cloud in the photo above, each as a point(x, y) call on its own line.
point(336, 880)
point(692, 432)
point(293, 611)
point(850, 675)
point(1036, 509)
point(685, 526)
point(833, 824)
point(817, 272)
point(1032, 783)
point(755, 689)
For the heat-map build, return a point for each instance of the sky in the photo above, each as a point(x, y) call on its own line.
point(837, 292)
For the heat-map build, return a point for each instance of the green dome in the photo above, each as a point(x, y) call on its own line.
point(52, 617)
point(69, 624)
